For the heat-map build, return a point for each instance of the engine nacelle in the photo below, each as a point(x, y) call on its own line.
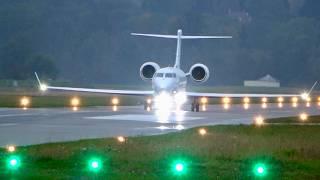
point(199, 72)
point(148, 69)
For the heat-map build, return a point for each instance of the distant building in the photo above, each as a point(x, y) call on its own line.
point(266, 81)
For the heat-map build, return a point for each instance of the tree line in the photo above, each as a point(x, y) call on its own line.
point(89, 41)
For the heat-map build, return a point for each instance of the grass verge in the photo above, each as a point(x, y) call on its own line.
point(295, 120)
point(225, 152)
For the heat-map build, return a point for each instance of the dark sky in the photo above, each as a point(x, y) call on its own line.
point(90, 42)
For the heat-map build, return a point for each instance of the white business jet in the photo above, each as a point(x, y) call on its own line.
point(169, 83)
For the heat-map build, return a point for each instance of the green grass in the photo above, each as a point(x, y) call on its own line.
point(296, 120)
point(226, 152)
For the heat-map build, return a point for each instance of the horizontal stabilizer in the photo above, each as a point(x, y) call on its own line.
point(206, 37)
point(156, 35)
point(182, 37)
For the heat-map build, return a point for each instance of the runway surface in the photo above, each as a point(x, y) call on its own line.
point(42, 125)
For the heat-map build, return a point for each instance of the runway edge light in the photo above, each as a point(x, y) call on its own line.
point(260, 169)
point(259, 120)
point(25, 102)
point(95, 164)
point(121, 139)
point(13, 162)
point(179, 167)
point(202, 131)
point(11, 148)
point(303, 116)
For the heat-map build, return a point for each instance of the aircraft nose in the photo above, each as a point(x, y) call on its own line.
point(164, 85)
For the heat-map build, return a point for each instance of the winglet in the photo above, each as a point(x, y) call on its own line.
point(306, 95)
point(314, 85)
point(43, 87)
point(35, 73)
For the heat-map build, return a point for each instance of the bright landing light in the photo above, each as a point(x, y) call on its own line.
point(294, 100)
point(149, 101)
point(162, 115)
point(246, 106)
point(259, 120)
point(204, 100)
point(280, 99)
point(163, 101)
point(308, 104)
point(179, 127)
point(75, 101)
point(180, 98)
point(246, 100)
point(11, 148)
point(294, 105)
point(226, 100)
point(115, 101)
point(204, 107)
point(305, 96)
point(264, 100)
point(303, 116)
point(202, 132)
point(25, 101)
point(121, 139)
point(264, 105)
point(43, 87)
point(226, 106)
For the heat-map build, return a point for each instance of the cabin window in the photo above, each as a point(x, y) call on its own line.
point(159, 75)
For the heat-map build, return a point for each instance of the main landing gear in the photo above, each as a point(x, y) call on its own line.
point(147, 105)
point(195, 105)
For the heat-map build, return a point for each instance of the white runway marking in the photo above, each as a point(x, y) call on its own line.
point(14, 115)
point(7, 124)
point(139, 117)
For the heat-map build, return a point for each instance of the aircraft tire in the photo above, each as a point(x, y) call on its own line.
point(197, 107)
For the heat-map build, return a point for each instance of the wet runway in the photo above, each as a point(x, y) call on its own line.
point(42, 125)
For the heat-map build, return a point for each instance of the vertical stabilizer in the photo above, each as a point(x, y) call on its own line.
point(179, 37)
point(178, 53)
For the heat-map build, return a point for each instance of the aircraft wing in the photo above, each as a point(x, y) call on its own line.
point(44, 87)
point(106, 91)
point(305, 95)
point(238, 95)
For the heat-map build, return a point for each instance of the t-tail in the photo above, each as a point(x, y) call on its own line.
point(179, 37)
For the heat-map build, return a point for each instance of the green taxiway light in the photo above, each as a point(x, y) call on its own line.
point(13, 162)
point(95, 165)
point(260, 169)
point(179, 167)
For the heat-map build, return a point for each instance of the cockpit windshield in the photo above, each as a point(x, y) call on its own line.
point(166, 75)
point(170, 75)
